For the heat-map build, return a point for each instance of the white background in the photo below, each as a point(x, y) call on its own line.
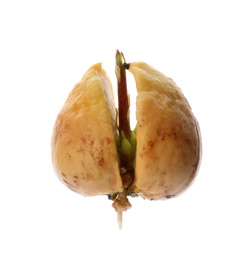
point(45, 48)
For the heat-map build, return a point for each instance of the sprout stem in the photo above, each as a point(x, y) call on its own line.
point(126, 150)
point(123, 102)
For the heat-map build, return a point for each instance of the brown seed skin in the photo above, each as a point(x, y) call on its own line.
point(168, 136)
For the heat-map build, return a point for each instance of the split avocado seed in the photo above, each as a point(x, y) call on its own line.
point(95, 152)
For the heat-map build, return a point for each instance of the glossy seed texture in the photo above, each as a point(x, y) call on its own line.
point(168, 136)
point(84, 149)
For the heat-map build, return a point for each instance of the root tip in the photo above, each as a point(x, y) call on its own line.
point(119, 219)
